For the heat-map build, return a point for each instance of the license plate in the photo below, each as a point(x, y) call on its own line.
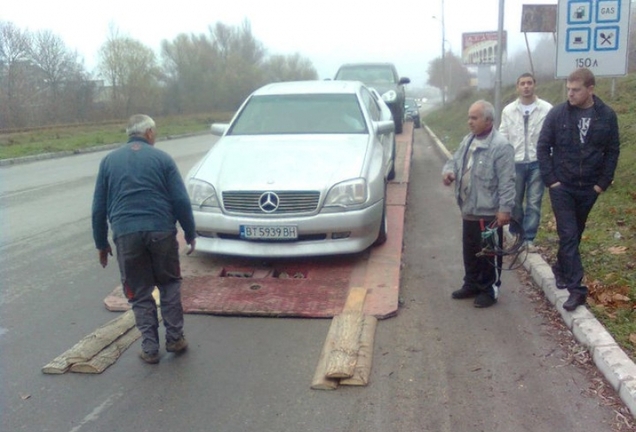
point(276, 232)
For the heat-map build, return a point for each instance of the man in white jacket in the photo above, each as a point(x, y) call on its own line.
point(521, 123)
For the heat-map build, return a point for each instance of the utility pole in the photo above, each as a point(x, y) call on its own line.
point(499, 63)
point(443, 59)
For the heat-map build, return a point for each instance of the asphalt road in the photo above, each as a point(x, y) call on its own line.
point(439, 365)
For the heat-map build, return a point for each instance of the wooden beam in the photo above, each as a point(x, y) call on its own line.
point(355, 300)
point(320, 381)
point(344, 355)
point(109, 355)
point(365, 354)
point(91, 344)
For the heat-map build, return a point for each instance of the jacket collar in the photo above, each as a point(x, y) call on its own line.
point(137, 139)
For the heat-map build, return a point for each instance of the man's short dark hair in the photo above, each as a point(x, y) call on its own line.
point(583, 74)
point(526, 75)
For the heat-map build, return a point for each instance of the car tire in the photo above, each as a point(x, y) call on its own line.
point(417, 123)
point(382, 234)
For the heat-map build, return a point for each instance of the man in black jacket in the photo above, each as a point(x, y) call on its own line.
point(578, 152)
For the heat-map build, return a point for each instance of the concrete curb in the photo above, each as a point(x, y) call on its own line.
point(610, 359)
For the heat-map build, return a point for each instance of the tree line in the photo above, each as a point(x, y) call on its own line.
point(43, 82)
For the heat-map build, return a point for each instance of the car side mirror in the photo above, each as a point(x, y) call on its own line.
point(384, 127)
point(404, 80)
point(219, 129)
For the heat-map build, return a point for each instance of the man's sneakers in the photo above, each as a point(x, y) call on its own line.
point(483, 299)
point(178, 346)
point(150, 358)
point(574, 300)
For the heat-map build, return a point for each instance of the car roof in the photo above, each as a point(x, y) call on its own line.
point(316, 87)
point(346, 65)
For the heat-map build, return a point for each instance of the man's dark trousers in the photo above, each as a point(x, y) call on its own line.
point(482, 272)
point(571, 207)
point(148, 259)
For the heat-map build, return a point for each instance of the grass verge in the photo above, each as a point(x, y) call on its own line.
point(608, 247)
point(77, 137)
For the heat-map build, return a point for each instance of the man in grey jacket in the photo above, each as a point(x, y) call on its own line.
point(483, 170)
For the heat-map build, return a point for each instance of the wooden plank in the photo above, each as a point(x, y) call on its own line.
point(91, 344)
point(108, 355)
point(343, 357)
point(355, 300)
point(365, 354)
point(320, 381)
point(336, 357)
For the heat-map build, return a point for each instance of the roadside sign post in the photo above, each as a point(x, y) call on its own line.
point(593, 34)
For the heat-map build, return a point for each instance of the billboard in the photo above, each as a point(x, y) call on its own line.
point(480, 48)
point(539, 19)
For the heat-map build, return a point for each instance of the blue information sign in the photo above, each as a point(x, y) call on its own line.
point(593, 34)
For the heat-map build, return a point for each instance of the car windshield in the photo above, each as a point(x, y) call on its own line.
point(300, 114)
point(410, 103)
point(367, 74)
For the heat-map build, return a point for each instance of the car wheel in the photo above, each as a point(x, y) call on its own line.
point(382, 234)
point(417, 123)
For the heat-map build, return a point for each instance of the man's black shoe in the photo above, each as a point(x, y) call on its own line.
point(464, 293)
point(560, 284)
point(484, 300)
point(574, 300)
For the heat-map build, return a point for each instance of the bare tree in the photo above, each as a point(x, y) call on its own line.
point(130, 69)
point(241, 58)
point(62, 75)
point(288, 68)
point(14, 51)
point(455, 75)
point(190, 68)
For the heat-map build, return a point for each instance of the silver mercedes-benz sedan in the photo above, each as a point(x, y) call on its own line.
point(301, 170)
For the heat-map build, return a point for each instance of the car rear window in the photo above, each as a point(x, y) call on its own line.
point(300, 114)
point(367, 74)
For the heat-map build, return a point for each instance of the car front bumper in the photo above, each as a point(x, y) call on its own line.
point(321, 234)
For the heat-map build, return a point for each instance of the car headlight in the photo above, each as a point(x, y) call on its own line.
point(347, 193)
point(202, 194)
point(390, 96)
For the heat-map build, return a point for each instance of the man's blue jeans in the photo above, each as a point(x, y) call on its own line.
point(571, 206)
point(529, 188)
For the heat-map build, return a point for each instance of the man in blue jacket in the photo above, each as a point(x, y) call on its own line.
point(578, 152)
point(483, 169)
point(139, 191)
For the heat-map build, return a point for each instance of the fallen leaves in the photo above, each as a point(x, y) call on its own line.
point(610, 296)
point(617, 250)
